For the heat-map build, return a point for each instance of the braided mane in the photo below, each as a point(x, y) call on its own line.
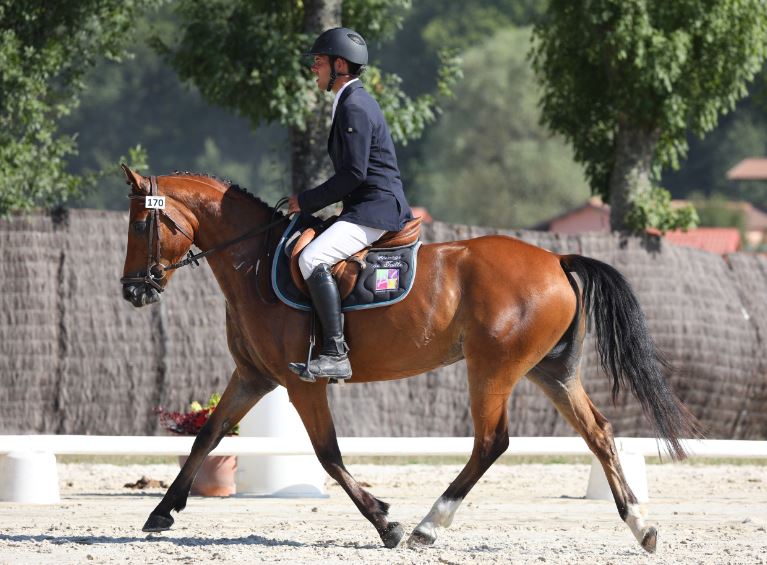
point(228, 185)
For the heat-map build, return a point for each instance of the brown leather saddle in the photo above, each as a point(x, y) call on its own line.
point(347, 271)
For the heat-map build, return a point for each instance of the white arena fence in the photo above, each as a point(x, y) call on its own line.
point(361, 446)
point(285, 466)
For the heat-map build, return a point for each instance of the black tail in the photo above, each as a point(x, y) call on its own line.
point(627, 352)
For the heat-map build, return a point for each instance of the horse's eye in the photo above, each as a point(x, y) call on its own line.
point(139, 227)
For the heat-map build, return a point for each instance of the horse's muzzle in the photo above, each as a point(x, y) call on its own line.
point(140, 294)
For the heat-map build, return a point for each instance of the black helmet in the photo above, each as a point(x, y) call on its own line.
point(341, 42)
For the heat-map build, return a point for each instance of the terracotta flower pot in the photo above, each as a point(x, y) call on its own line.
point(215, 477)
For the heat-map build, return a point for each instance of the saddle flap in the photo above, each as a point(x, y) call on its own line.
point(304, 239)
point(346, 272)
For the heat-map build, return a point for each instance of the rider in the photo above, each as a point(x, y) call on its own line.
point(366, 180)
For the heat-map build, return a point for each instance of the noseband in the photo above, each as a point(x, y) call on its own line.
point(155, 270)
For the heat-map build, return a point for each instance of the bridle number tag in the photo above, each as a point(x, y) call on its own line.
point(155, 202)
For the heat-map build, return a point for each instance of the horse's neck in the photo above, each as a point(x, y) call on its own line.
point(222, 215)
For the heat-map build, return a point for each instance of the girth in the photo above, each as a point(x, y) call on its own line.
point(347, 271)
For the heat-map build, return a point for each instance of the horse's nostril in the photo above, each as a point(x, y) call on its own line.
point(132, 292)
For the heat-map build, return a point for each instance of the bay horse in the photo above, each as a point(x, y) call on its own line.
point(510, 309)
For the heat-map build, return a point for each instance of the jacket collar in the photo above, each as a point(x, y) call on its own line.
point(357, 84)
point(341, 91)
point(351, 87)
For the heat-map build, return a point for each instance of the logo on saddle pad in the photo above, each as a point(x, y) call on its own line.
point(387, 279)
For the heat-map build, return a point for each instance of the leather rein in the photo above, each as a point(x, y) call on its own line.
point(155, 270)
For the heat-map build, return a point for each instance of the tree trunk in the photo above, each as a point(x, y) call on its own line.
point(309, 160)
point(632, 171)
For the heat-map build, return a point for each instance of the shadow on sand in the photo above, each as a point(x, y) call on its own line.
point(154, 538)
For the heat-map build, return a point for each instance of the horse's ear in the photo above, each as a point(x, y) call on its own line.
point(135, 180)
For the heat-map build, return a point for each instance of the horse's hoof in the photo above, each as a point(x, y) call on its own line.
point(650, 540)
point(392, 534)
point(157, 523)
point(420, 537)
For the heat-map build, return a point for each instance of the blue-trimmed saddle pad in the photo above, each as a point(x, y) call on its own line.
point(386, 279)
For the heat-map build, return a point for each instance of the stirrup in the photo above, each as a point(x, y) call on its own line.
point(305, 372)
point(301, 369)
point(307, 376)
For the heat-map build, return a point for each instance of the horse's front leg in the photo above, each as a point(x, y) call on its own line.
point(240, 395)
point(310, 400)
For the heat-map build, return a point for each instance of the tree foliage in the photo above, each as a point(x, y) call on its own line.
point(249, 56)
point(460, 24)
point(490, 162)
point(45, 48)
point(717, 211)
point(739, 135)
point(652, 66)
point(141, 100)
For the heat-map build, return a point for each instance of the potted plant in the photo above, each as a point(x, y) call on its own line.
point(216, 475)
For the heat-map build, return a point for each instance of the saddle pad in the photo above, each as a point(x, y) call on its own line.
point(386, 279)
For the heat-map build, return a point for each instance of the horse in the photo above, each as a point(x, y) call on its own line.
point(510, 309)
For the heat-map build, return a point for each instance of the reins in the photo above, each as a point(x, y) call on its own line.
point(192, 258)
point(153, 253)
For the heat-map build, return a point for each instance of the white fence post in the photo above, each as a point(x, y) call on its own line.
point(29, 477)
point(634, 469)
point(288, 476)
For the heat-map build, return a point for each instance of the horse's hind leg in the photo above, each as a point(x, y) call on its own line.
point(310, 400)
point(240, 395)
point(489, 395)
point(565, 390)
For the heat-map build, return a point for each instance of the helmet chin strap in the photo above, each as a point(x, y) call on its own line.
point(334, 75)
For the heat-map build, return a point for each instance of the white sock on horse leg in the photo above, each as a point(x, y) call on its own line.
point(440, 515)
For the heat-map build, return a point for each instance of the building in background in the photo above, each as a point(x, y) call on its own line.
point(594, 216)
point(753, 168)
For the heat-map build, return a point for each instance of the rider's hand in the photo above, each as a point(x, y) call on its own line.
point(293, 207)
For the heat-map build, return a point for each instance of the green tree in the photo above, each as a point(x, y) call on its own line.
point(491, 162)
point(432, 26)
point(739, 135)
point(45, 48)
point(624, 80)
point(247, 56)
point(141, 100)
point(435, 27)
point(717, 211)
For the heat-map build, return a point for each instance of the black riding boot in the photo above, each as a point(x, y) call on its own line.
point(332, 362)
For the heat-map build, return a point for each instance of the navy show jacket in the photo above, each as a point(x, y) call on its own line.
point(367, 177)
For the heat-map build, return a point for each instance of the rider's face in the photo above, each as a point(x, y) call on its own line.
point(321, 69)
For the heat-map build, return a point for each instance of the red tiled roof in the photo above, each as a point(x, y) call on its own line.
point(713, 240)
point(594, 203)
point(749, 169)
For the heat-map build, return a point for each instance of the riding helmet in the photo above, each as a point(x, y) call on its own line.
point(341, 42)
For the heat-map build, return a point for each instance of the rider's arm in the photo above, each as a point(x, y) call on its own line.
point(357, 131)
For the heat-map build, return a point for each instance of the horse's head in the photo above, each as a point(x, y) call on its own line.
point(157, 238)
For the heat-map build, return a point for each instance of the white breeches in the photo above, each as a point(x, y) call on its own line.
point(339, 241)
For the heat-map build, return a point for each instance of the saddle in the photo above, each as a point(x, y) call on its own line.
point(346, 272)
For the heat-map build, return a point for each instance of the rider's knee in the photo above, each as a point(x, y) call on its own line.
point(307, 261)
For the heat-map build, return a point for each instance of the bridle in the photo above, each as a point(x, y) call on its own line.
point(155, 270)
